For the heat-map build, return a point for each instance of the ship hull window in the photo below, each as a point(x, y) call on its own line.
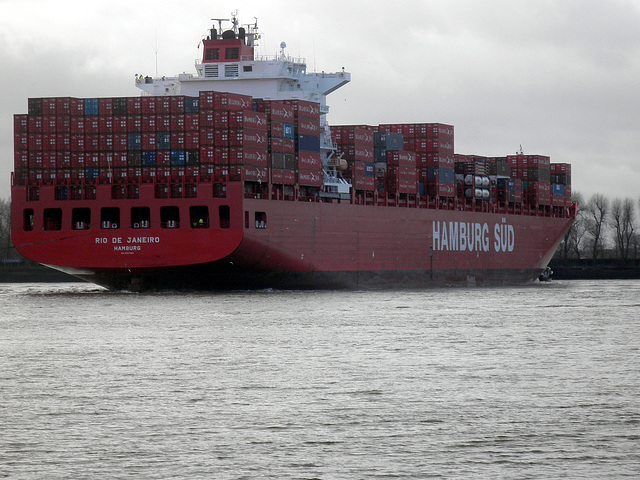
point(52, 218)
point(169, 217)
point(81, 218)
point(199, 216)
point(110, 217)
point(224, 214)
point(28, 220)
point(140, 217)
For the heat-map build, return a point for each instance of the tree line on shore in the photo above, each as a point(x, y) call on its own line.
point(604, 229)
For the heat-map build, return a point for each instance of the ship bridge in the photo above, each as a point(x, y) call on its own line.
point(229, 64)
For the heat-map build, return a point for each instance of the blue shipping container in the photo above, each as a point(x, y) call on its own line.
point(91, 106)
point(308, 143)
point(388, 140)
point(369, 169)
point(91, 173)
point(288, 130)
point(149, 158)
point(163, 141)
point(178, 158)
point(191, 105)
point(134, 141)
point(558, 189)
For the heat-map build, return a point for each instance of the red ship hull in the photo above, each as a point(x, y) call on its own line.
point(296, 245)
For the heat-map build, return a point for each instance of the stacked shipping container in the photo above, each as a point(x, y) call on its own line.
point(177, 141)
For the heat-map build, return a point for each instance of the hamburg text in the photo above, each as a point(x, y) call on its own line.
point(472, 237)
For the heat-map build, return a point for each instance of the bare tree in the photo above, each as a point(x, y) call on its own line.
point(596, 213)
point(621, 220)
point(574, 239)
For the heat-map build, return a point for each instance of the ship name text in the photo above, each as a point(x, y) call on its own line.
point(473, 237)
point(126, 244)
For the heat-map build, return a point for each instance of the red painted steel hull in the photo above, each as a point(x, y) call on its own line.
point(304, 245)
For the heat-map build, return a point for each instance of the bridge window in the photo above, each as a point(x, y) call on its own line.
point(199, 216)
point(169, 217)
point(232, 54)
point(212, 54)
point(110, 217)
point(140, 217)
point(52, 218)
point(80, 218)
point(247, 68)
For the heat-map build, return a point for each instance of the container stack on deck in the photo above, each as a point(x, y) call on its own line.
point(175, 142)
point(354, 144)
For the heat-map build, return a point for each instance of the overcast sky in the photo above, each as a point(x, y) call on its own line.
point(559, 77)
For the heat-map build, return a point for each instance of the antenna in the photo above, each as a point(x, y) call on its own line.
point(520, 152)
point(156, 50)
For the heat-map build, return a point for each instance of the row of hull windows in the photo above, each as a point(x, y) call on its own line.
point(110, 218)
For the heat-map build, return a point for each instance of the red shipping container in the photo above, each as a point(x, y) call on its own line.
point(63, 124)
point(49, 124)
point(134, 105)
point(35, 124)
point(248, 138)
point(21, 141)
point(91, 125)
point(288, 145)
point(77, 125)
point(304, 108)
point(105, 124)
point(49, 106)
point(149, 141)
point(149, 123)
point(63, 160)
point(276, 110)
point(35, 141)
point(76, 106)
point(401, 158)
point(312, 161)
point(221, 138)
point(177, 141)
point(276, 129)
point(207, 154)
point(207, 136)
point(105, 107)
point(177, 123)
point(309, 126)
point(35, 160)
point(163, 158)
point(177, 104)
point(63, 141)
point(92, 160)
point(276, 145)
point(221, 156)
point(77, 160)
point(49, 160)
point(148, 106)
point(119, 159)
point(163, 105)
point(92, 143)
point(192, 122)
point(134, 123)
point(120, 142)
point(221, 120)
point(20, 123)
point(21, 159)
point(247, 119)
point(310, 177)
point(63, 106)
point(254, 173)
point(280, 176)
point(163, 123)
point(207, 118)
point(192, 140)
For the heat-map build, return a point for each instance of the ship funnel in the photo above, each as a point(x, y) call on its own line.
point(214, 34)
point(241, 33)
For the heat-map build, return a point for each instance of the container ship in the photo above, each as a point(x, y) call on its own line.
point(232, 178)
